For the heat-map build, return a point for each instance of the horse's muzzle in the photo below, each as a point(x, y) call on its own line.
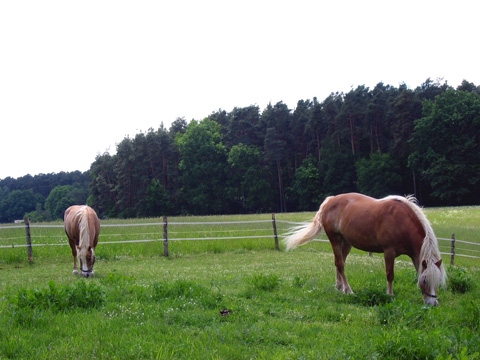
point(431, 301)
point(88, 273)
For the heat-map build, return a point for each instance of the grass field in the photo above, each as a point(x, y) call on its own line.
point(230, 299)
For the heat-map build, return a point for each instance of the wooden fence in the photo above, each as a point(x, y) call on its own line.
point(30, 228)
point(453, 249)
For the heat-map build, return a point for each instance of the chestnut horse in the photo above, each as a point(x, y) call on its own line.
point(82, 228)
point(394, 226)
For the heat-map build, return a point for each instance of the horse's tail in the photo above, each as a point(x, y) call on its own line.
point(82, 216)
point(307, 232)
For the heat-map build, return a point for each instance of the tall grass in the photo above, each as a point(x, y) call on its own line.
point(251, 304)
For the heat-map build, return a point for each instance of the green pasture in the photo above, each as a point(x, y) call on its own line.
point(230, 299)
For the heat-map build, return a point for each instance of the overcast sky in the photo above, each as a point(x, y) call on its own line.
point(76, 77)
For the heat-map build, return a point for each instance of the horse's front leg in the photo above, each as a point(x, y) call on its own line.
point(75, 270)
point(389, 256)
point(74, 253)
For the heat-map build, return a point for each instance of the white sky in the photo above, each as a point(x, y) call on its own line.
point(76, 77)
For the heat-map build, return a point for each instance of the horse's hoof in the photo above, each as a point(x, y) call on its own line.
point(75, 272)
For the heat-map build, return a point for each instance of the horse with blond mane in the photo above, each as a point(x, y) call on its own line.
point(394, 226)
point(82, 228)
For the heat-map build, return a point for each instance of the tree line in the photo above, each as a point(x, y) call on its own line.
point(386, 140)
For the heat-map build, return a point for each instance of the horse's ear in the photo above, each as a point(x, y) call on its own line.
point(424, 264)
point(439, 262)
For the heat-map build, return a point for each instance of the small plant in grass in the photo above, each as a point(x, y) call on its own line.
point(459, 280)
point(403, 313)
point(84, 295)
point(370, 297)
point(465, 343)
point(265, 282)
point(118, 279)
point(179, 288)
point(183, 289)
point(12, 257)
point(298, 282)
point(404, 343)
point(470, 315)
point(463, 355)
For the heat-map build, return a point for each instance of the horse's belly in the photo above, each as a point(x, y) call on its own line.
point(366, 245)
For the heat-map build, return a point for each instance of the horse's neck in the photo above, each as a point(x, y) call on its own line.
point(84, 240)
point(429, 250)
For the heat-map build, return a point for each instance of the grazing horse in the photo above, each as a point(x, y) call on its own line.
point(394, 226)
point(82, 228)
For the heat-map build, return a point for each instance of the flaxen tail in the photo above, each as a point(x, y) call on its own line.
point(307, 232)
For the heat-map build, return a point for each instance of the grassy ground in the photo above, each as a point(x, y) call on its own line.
point(236, 300)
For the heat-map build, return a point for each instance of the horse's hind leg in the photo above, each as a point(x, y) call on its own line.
point(389, 257)
point(340, 250)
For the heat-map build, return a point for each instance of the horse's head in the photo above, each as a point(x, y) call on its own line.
point(87, 260)
point(431, 277)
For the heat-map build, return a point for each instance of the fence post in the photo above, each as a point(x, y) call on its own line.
point(29, 239)
point(452, 254)
point(165, 236)
point(277, 247)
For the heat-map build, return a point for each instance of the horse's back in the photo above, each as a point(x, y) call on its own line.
point(347, 210)
point(373, 224)
point(72, 219)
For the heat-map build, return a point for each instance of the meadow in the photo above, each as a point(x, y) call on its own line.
point(230, 299)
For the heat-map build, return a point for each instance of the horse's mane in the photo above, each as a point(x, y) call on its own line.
point(429, 252)
point(82, 216)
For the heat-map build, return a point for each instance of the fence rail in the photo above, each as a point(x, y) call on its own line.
point(164, 236)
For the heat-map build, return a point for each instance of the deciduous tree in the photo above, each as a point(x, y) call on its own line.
point(203, 166)
point(378, 176)
point(446, 143)
point(248, 187)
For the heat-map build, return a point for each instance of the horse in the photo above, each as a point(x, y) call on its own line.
point(394, 226)
point(82, 228)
